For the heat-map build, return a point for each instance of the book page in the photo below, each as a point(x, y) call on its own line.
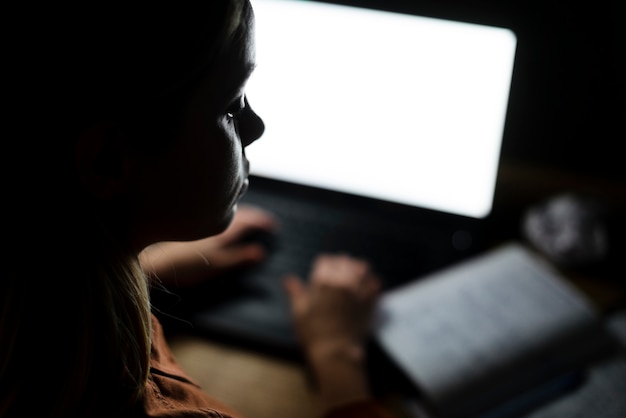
point(452, 330)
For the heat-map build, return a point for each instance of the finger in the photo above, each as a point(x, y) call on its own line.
point(255, 217)
point(248, 219)
point(293, 285)
point(296, 291)
point(340, 271)
point(239, 256)
point(330, 268)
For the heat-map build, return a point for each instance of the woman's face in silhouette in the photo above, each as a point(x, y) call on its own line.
point(191, 190)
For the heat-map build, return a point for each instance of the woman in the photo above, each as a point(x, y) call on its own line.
point(129, 130)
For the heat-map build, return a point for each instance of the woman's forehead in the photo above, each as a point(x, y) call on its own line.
point(235, 65)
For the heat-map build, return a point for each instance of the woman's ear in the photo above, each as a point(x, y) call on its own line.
point(103, 162)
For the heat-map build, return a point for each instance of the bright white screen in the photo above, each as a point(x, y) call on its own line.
point(387, 105)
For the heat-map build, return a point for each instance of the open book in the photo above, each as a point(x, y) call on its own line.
point(497, 332)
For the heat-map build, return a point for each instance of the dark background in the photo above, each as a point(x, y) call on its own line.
point(567, 106)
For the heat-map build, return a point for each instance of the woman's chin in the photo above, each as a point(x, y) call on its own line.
point(222, 225)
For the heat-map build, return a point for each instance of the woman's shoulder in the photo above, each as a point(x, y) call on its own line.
point(172, 396)
point(170, 392)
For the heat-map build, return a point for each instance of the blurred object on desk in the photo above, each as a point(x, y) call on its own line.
point(571, 230)
point(580, 233)
point(522, 186)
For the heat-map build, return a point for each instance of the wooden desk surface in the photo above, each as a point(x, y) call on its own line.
point(261, 386)
point(256, 385)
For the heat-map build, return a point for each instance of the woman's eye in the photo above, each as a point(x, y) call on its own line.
point(235, 109)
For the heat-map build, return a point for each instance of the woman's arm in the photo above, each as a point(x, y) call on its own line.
point(184, 264)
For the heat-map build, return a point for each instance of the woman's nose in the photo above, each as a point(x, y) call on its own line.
point(251, 126)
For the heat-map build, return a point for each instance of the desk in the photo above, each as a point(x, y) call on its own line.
point(256, 385)
point(262, 386)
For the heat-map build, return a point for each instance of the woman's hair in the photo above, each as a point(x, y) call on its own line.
point(75, 317)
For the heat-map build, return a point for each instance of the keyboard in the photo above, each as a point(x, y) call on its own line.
point(398, 252)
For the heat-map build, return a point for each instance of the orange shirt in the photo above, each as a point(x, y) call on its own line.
point(172, 394)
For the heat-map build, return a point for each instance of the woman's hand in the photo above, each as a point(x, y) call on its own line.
point(189, 263)
point(333, 315)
